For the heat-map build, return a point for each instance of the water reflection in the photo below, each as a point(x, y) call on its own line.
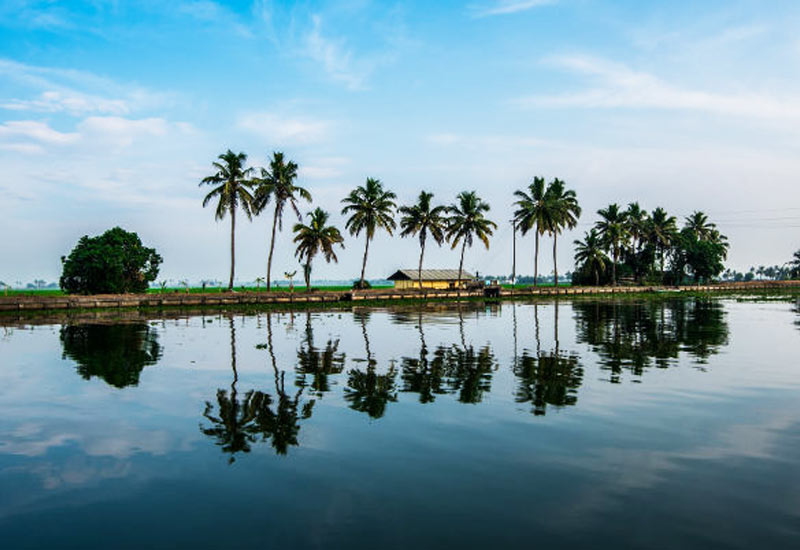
point(315, 366)
point(115, 353)
point(546, 377)
point(237, 424)
point(635, 336)
point(367, 391)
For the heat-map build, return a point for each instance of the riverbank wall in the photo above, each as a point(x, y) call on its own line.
point(17, 304)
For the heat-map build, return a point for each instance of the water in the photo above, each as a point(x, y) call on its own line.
point(572, 425)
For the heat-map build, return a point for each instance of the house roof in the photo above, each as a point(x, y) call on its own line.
point(429, 275)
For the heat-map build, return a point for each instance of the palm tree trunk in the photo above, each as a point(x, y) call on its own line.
point(421, 254)
point(596, 276)
point(555, 261)
point(536, 259)
point(272, 245)
point(461, 267)
point(364, 263)
point(614, 266)
point(233, 246)
point(307, 275)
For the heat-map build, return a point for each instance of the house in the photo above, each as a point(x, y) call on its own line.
point(405, 279)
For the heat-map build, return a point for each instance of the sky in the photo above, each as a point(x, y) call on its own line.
point(111, 113)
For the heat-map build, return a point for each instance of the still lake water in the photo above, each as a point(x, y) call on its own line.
point(568, 424)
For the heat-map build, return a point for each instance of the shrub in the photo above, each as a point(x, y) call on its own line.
point(358, 285)
point(113, 263)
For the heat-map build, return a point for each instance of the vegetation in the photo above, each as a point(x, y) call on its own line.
point(467, 221)
point(422, 219)
point(278, 184)
point(561, 211)
point(370, 207)
point(314, 238)
point(115, 262)
point(639, 244)
point(530, 216)
point(232, 189)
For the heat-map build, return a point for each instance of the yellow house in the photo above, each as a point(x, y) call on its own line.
point(406, 279)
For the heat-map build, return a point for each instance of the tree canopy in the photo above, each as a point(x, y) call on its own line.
point(115, 262)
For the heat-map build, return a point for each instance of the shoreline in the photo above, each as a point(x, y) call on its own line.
point(21, 307)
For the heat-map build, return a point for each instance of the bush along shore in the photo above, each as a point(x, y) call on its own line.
point(22, 304)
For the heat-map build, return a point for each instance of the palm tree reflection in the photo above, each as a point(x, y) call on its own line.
point(317, 364)
point(239, 423)
point(367, 391)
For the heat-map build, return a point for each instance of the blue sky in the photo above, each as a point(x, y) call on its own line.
point(111, 113)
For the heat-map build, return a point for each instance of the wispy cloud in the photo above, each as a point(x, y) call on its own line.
point(283, 130)
point(506, 7)
point(338, 61)
point(618, 86)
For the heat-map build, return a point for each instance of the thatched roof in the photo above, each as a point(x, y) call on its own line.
point(429, 275)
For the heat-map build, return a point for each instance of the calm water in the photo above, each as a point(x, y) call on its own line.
point(572, 425)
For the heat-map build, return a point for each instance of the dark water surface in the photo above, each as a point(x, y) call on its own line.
point(671, 424)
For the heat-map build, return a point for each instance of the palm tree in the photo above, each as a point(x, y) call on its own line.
point(278, 183)
point(795, 265)
point(232, 189)
point(370, 207)
point(466, 221)
point(529, 215)
point(422, 219)
point(662, 230)
point(561, 211)
point(614, 233)
point(589, 252)
point(698, 224)
point(316, 237)
point(636, 219)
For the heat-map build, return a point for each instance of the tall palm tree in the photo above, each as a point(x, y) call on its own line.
point(529, 215)
point(698, 224)
point(422, 218)
point(614, 232)
point(314, 238)
point(232, 189)
point(636, 220)
point(371, 207)
point(467, 220)
point(561, 211)
point(795, 264)
point(662, 230)
point(590, 253)
point(277, 184)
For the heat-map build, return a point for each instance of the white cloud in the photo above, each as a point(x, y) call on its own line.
point(323, 168)
point(33, 131)
point(282, 130)
point(484, 141)
point(506, 7)
point(619, 86)
point(71, 102)
point(337, 60)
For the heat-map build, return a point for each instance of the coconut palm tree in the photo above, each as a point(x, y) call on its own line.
point(636, 220)
point(561, 211)
point(421, 219)
point(277, 184)
point(232, 189)
point(661, 232)
point(698, 224)
point(316, 237)
point(795, 265)
point(370, 207)
point(614, 233)
point(590, 253)
point(529, 215)
point(467, 220)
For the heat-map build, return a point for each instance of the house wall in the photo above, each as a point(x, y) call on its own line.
point(407, 285)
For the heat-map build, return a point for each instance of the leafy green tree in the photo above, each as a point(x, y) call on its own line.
point(422, 219)
point(467, 220)
point(589, 254)
point(232, 188)
point(370, 207)
point(112, 263)
point(316, 237)
point(277, 184)
point(614, 232)
point(530, 216)
point(699, 225)
point(703, 256)
point(561, 211)
point(636, 220)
